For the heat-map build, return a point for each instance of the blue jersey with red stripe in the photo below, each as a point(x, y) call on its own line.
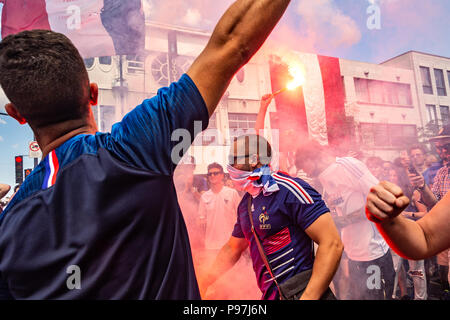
point(280, 221)
point(106, 203)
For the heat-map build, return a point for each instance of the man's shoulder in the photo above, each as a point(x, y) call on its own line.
point(442, 172)
point(293, 188)
point(229, 191)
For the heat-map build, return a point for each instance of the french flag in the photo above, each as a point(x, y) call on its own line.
point(96, 27)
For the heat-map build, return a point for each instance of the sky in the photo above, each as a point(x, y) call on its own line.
point(336, 28)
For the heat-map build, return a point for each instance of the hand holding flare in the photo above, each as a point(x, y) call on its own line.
point(298, 79)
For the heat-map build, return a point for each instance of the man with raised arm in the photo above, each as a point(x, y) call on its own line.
point(414, 240)
point(98, 218)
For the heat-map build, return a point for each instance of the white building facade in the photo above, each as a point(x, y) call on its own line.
point(432, 76)
point(388, 104)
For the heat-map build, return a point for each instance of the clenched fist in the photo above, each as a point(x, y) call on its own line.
point(385, 201)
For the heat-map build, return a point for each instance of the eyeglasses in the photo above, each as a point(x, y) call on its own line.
point(214, 173)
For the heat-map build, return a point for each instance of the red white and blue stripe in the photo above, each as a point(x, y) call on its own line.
point(277, 241)
point(51, 170)
point(294, 187)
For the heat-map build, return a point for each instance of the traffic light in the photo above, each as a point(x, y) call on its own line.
point(27, 172)
point(19, 169)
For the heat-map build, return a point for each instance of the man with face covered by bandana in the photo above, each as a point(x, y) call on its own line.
point(288, 216)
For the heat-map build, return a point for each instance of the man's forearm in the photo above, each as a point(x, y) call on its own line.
point(428, 197)
point(259, 124)
point(325, 265)
point(404, 236)
point(237, 37)
point(224, 261)
point(248, 23)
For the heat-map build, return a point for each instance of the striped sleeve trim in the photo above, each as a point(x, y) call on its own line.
point(295, 188)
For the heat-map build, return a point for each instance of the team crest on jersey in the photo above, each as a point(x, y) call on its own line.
point(263, 218)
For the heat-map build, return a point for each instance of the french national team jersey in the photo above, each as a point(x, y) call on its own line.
point(280, 221)
point(98, 218)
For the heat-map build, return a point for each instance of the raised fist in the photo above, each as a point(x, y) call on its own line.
point(385, 201)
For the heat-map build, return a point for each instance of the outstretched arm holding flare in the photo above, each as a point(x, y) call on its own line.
point(237, 37)
point(413, 240)
point(265, 102)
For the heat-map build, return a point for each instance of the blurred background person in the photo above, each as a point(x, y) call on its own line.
point(414, 211)
point(375, 166)
point(217, 215)
point(217, 210)
point(431, 196)
point(417, 155)
point(346, 182)
point(4, 189)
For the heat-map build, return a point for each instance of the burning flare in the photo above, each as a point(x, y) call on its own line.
point(298, 79)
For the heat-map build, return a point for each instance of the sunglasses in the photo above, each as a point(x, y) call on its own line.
point(214, 173)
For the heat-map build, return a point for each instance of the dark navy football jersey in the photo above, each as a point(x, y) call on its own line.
point(106, 204)
point(280, 221)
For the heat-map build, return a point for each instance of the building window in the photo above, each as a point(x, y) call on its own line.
point(426, 80)
point(448, 76)
point(432, 114)
point(135, 64)
point(89, 63)
point(383, 92)
point(387, 135)
point(106, 60)
point(445, 114)
point(440, 82)
point(241, 123)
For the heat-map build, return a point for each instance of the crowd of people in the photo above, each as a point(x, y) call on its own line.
point(344, 182)
point(137, 224)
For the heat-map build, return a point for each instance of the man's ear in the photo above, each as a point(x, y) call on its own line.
point(93, 98)
point(13, 112)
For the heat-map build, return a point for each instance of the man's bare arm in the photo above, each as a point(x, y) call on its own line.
point(225, 260)
point(418, 181)
point(415, 240)
point(265, 102)
point(237, 37)
point(323, 231)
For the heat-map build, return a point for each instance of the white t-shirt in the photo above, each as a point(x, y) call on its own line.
point(220, 211)
point(347, 183)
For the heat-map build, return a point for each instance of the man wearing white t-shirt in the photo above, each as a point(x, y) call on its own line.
point(346, 183)
point(217, 210)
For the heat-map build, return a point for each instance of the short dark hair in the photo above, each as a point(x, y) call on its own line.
point(421, 147)
point(44, 76)
point(215, 165)
point(256, 144)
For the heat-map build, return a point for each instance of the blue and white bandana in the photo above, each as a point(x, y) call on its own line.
point(253, 182)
